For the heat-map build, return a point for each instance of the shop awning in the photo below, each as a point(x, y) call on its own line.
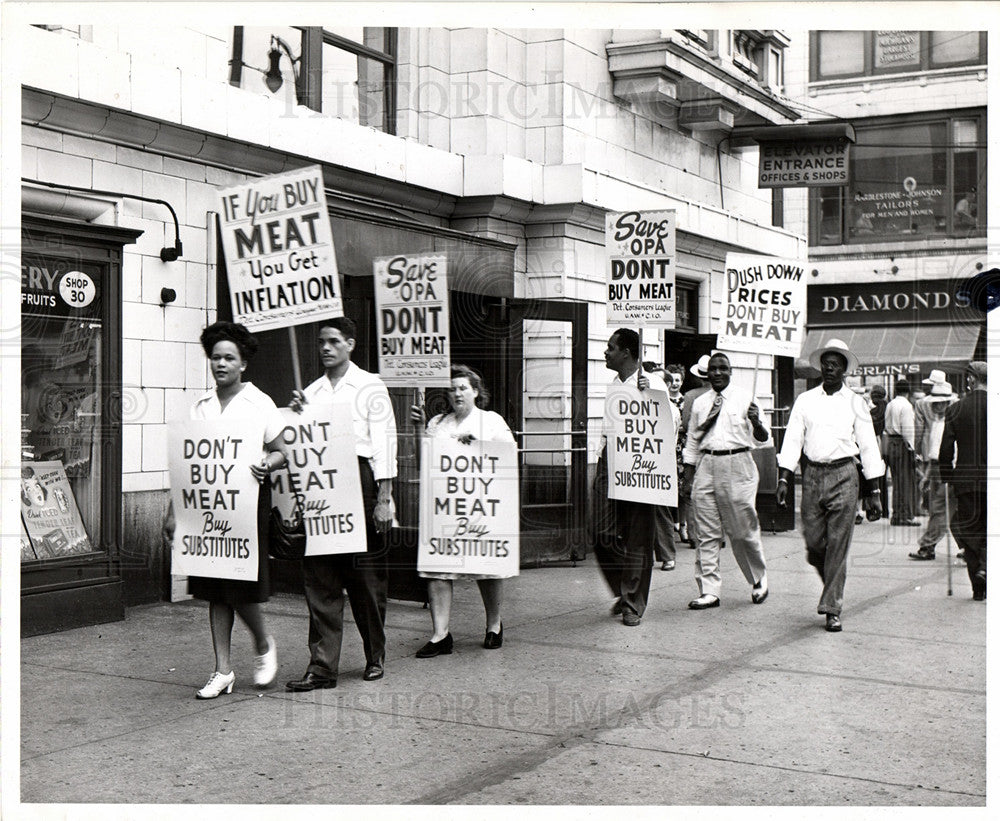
point(886, 349)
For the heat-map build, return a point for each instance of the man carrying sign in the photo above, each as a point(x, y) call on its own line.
point(627, 530)
point(366, 577)
point(722, 477)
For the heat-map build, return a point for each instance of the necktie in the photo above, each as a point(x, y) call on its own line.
point(712, 417)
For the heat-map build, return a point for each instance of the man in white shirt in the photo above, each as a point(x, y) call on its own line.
point(625, 537)
point(364, 575)
point(829, 427)
point(719, 468)
point(900, 456)
point(931, 411)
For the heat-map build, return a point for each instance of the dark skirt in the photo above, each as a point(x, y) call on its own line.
point(233, 591)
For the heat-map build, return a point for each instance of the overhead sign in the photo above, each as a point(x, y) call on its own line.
point(53, 286)
point(469, 508)
point(893, 302)
point(642, 459)
point(215, 497)
point(323, 471)
point(764, 310)
point(641, 250)
point(803, 163)
point(280, 260)
point(411, 304)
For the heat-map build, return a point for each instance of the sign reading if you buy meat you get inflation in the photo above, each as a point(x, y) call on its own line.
point(280, 260)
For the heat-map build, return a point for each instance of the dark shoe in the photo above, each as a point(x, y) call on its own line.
point(922, 555)
point(310, 681)
point(704, 602)
point(760, 591)
point(436, 648)
point(960, 555)
point(670, 564)
point(905, 523)
point(859, 519)
point(833, 624)
point(493, 641)
point(630, 619)
point(373, 671)
point(979, 586)
point(979, 595)
point(616, 608)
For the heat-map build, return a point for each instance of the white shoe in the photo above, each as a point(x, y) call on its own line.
point(266, 666)
point(217, 685)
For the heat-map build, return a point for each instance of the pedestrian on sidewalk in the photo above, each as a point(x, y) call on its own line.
point(229, 346)
point(900, 456)
point(665, 548)
point(828, 429)
point(365, 574)
point(688, 530)
point(930, 427)
point(962, 461)
point(468, 420)
point(623, 533)
point(725, 426)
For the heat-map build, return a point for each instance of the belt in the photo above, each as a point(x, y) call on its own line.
point(836, 463)
point(895, 435)
point(726, 452)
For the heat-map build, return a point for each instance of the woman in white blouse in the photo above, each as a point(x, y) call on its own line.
point(468, 420)
point(228, 347)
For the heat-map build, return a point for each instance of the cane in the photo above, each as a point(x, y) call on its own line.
point(947, 536)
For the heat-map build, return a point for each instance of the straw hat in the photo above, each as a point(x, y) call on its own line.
point(936, 378)
point(700, 368)
point(834, 346)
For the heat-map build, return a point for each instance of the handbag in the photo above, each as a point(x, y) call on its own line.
point(287, 538)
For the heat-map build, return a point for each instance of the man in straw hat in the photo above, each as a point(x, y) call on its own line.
point(962, 460)
point(685, 514)
point(930, 426)
point(829, 428)
point(900, 456)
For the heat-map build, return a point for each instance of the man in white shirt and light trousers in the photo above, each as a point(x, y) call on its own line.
point(364, 575)
point(829, 427)
point(719, 469)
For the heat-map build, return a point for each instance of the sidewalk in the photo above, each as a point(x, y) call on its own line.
point(740, 705)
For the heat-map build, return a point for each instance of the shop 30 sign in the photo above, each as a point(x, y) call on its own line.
point(47, 288)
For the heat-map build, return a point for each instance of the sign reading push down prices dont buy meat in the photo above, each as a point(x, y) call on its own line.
point(215, 497)
point(469, 509)
point(642, 459)
point(411, 298)
point(280, 260)
point(765, 305)
point(641, 268)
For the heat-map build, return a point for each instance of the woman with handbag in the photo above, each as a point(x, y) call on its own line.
point(467, 420)
point(228, 347)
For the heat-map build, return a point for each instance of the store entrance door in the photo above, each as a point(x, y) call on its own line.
point(533, 355)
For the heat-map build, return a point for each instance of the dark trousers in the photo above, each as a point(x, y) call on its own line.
point(968, 526)
point(365, 576)
point(903, 467)
point(828, 507)
point(664, 549)
point(623, 535)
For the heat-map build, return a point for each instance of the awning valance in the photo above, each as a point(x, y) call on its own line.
point(896, 350)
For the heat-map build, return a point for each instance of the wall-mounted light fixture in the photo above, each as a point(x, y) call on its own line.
point(167, 295)
point(272, 77)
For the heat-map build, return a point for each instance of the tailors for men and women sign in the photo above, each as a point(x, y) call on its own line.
point(282, 271)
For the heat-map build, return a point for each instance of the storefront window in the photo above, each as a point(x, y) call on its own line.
point(61, 393)
point(687, 306)
point(909, 180)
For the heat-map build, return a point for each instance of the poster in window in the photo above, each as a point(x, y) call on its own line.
point(27, 551)
point(52, 286)
point(49, 512)
point(897, 49)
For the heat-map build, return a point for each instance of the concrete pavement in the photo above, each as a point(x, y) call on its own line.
point(742, 705)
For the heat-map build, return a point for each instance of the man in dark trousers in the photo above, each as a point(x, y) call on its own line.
point(624, 532)
point(962, 462)
point(828, 429)
point(365, 575)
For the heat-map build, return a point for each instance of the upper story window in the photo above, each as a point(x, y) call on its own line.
point(843, 54)
point(911, 178)
point(344, 72)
